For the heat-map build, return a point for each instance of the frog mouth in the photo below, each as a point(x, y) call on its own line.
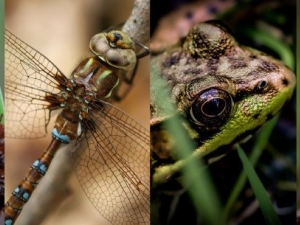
point(225, 149)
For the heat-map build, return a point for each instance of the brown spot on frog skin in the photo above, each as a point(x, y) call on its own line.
point(193, 71)
point(208, 42)
point(268, 67)
point(174, 59)
point(237, 63)
point(255, 116)
point(252, 56)
point(212, 65)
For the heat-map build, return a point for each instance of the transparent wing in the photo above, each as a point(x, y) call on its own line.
point(31, 82)
point(112, 163)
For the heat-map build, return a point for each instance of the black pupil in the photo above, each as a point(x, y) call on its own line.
point(214, 107)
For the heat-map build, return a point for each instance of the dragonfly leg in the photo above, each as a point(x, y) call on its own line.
point(126, 82)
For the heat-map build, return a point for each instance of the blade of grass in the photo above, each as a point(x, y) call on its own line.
point(199, 186)
point(261, 194)
point(260, 143)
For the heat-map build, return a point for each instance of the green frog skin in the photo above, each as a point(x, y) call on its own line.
point(223, 91)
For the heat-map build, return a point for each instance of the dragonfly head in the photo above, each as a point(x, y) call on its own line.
point(115, 48)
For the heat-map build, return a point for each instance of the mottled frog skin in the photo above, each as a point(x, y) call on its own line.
point(223, 90)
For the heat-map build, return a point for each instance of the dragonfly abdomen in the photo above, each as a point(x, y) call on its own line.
point(66, 127)
point(22, 193)
point(65, 131)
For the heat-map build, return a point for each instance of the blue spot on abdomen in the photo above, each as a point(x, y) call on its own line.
point(39, 166)
point(63, 138)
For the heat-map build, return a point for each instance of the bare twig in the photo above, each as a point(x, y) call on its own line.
point(137, 25)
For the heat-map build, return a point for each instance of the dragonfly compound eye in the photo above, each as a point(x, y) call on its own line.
point(99, 45)
point(115, 48)
point(121, 58)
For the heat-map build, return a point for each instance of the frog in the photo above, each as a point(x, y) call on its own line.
point(222, 91)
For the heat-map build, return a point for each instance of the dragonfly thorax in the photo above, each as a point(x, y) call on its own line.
point(97, 77)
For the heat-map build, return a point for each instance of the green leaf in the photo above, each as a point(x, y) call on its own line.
point(261, 194)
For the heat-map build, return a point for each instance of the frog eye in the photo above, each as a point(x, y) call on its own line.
point(212, 108)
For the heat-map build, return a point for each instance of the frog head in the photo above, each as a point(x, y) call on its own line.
point(224, 90)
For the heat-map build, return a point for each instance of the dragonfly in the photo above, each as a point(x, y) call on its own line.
point(108, 143)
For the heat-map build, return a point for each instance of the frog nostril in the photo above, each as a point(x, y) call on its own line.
point(285, 82)
point(261, 85)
